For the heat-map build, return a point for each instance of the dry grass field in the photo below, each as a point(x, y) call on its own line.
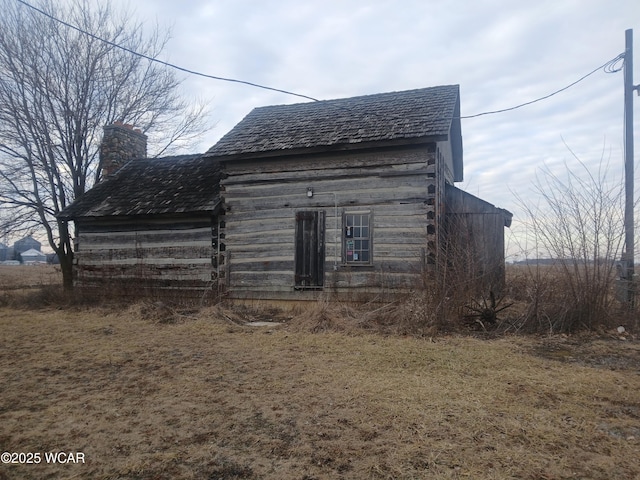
point(148, 392)
point(28, 276)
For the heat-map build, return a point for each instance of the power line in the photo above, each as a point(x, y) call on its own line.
point(608, 67)
point(167, 64)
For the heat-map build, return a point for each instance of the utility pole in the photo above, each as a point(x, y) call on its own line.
point(628, 166)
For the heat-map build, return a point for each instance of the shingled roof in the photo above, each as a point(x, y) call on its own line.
point(406, 116)
point(178, 184)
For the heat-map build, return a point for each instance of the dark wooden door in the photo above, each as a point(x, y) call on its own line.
point(309, 256)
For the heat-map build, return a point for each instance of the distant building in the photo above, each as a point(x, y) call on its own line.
point(4, 250)
point(32, 256)
point(27, 243)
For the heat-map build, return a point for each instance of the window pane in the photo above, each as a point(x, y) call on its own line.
point(357, 243)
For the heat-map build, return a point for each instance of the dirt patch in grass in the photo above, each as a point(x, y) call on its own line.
point(614, 352)
point(158, 393)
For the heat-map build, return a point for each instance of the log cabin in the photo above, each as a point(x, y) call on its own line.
point(354, 198)
point(350, 198)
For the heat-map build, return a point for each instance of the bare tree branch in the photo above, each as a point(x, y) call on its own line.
point(58, 88)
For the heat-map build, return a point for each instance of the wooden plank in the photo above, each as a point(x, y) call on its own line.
point(138, 281)
point(241, 278)
point(282, 237)
point(257, 224)
point(145, 273)
point(156, 222)
point(266, 216)
point(383, 255)
point(399, 221)
point(393, 237)
point(166, 252)
point(122, 240)
point(266, 266)
point(387, 219)
point(248, 220)
point(158, 262)
point(360, 198)
point(416, 154)
point(202, 230)
point(327, 173)
point(346, 189)
point(250, 273)
point(391, 282)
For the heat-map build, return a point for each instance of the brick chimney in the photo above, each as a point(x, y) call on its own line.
point(121, 143)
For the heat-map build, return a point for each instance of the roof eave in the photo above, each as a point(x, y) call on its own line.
point(338, 147)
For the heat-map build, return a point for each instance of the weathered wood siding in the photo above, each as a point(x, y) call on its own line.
point(176, 252)
point(261, 198)
point(474, 246)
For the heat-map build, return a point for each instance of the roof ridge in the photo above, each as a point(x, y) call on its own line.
point(363, 96)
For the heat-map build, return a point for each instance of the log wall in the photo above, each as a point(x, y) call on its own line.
point(171, 252)
point(261, 197)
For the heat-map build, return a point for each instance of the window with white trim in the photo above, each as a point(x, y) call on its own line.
point(357, 238)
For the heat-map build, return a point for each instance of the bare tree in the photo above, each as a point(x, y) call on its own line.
point(58, 88)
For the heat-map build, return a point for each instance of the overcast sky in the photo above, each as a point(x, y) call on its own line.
point(501, 53)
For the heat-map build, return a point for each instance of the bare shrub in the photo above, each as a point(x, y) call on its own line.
point(416, 314)
point(467, 274)
point(576, 221)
